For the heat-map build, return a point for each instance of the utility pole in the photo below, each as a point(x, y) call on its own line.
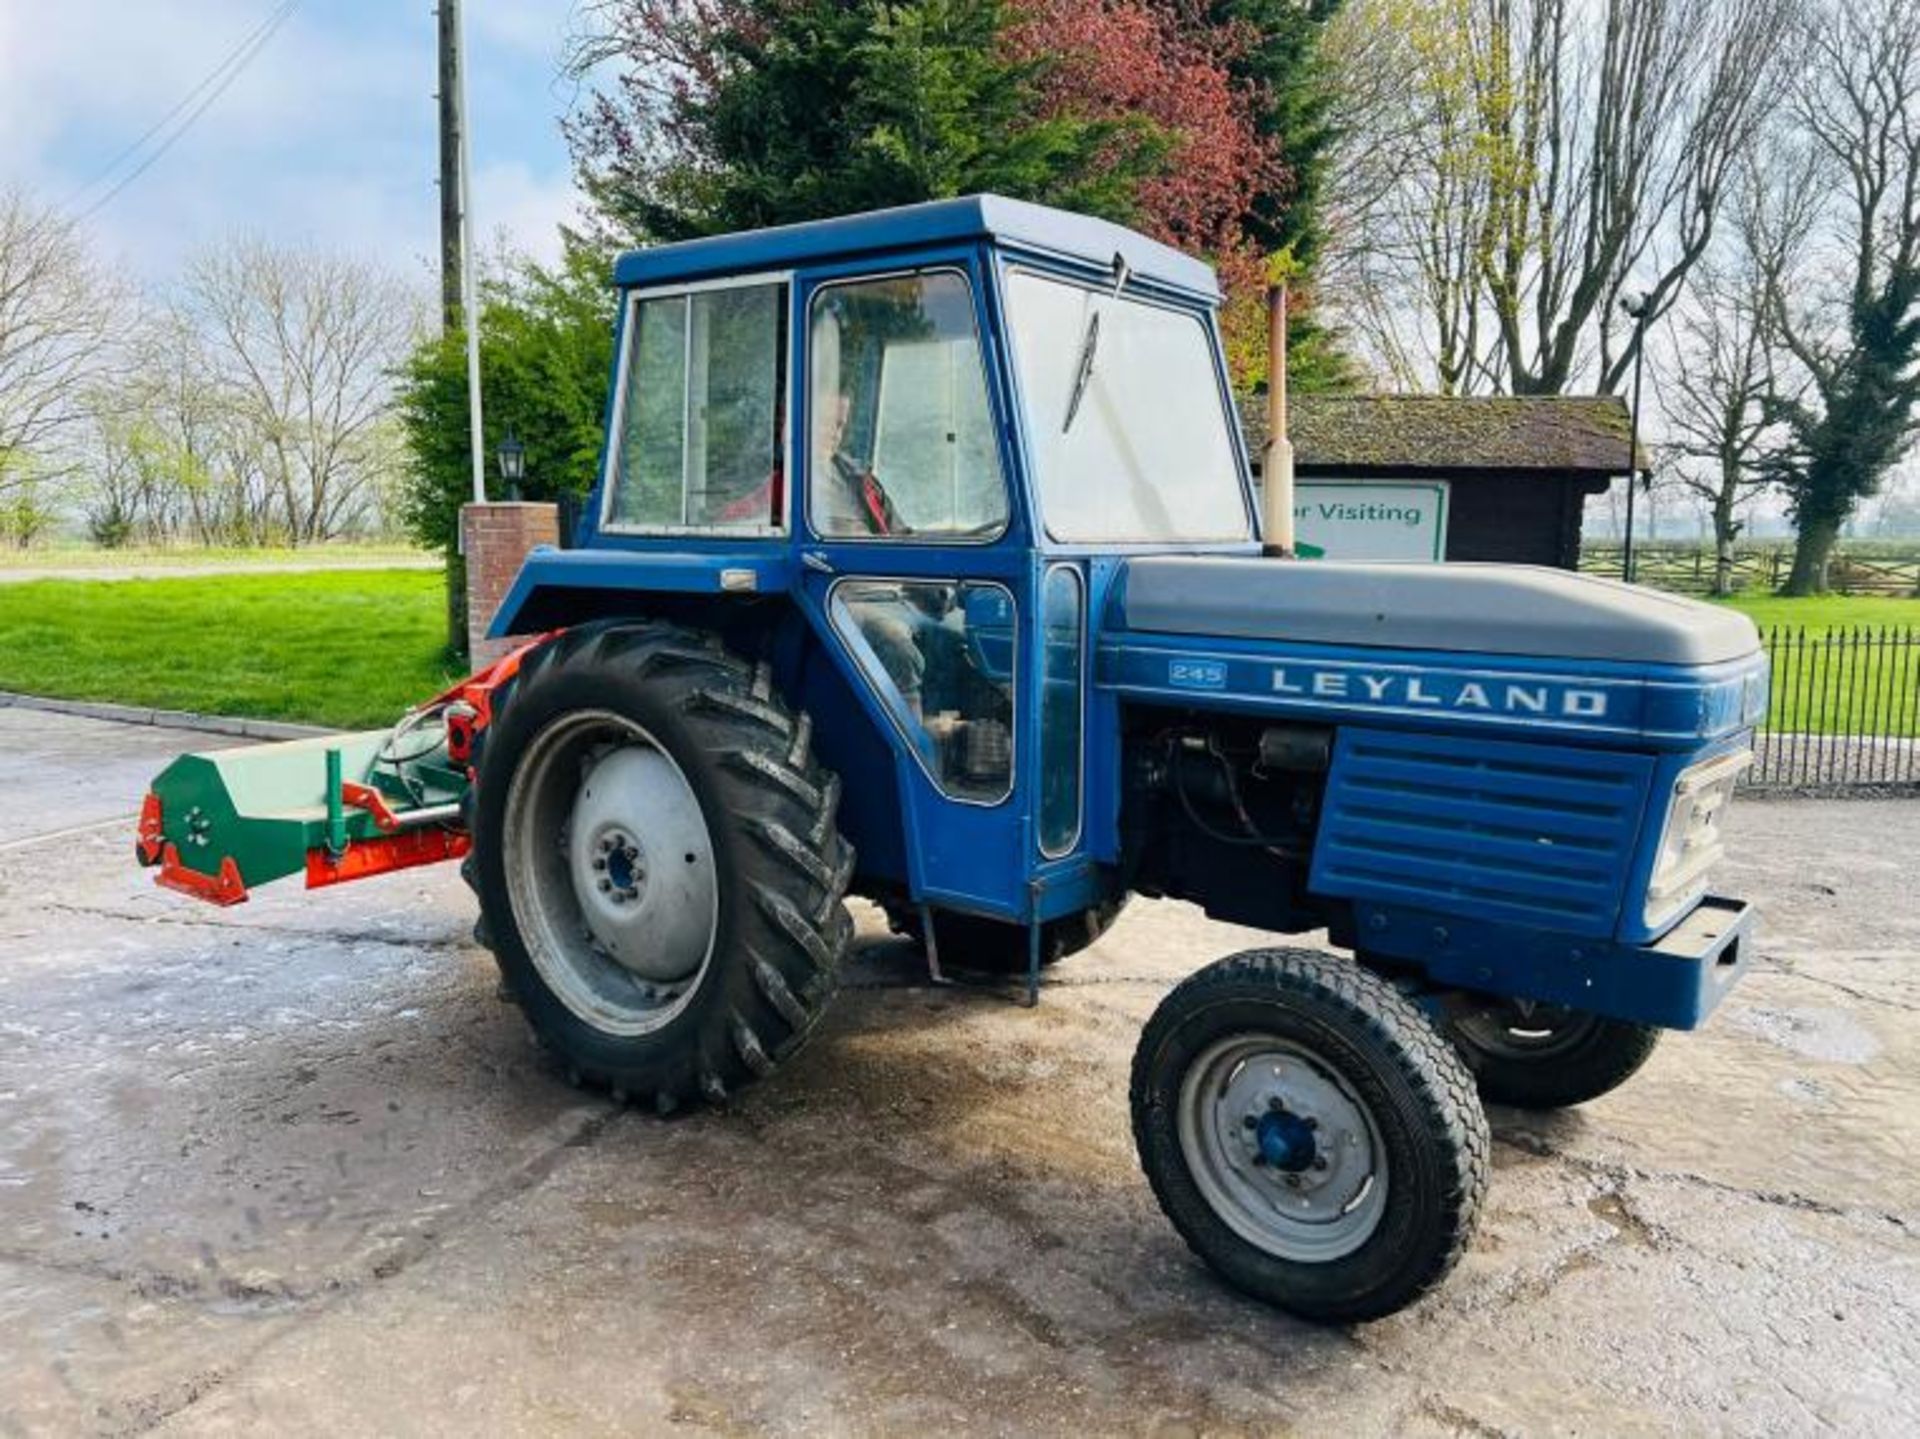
point(458, 300)
point(452, 266)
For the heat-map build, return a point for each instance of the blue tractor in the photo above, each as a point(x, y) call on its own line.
point(924, 565)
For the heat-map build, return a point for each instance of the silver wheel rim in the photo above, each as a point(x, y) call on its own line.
point(1282, 1148)
point(1519, 1030)
point(610, 872)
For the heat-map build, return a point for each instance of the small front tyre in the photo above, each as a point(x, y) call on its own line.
point(1543, 1056)
point(1309, 1134)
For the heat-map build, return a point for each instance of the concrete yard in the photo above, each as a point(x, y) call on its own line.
point(293, 1167)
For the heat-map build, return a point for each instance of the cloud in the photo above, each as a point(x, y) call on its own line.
point(328, 136)
point(511, 201)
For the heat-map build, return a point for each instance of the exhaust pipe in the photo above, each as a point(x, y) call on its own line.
point(1276, 467)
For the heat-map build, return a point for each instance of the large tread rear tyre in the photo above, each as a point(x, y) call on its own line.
point(781, 868)
point(1367, 1191)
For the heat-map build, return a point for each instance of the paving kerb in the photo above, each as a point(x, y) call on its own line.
point(236, 725)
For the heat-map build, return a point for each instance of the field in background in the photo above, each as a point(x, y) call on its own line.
point(353, 649)
point(1842, 665)
point(55, 558)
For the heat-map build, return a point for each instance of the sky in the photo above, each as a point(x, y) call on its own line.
point(328, 136)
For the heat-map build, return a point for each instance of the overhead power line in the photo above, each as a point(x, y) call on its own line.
point(173, 125)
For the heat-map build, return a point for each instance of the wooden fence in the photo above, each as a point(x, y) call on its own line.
point(1688, 569)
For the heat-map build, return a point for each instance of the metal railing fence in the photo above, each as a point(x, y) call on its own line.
point(1844, 711)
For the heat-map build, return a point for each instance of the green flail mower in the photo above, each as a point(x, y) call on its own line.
point(335, 807)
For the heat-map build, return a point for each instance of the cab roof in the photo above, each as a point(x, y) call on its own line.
point(1010, 224)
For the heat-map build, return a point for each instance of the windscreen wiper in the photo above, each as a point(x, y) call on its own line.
point(1084, 373)
point(1090, 342)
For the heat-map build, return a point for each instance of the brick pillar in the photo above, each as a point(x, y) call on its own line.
point(496, 538)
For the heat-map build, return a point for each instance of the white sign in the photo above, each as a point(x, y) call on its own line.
point(1371, 519)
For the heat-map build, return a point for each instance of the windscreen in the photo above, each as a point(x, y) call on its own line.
point(1126, 417)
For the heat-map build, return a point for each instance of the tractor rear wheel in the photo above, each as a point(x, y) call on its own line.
point(659, 872)
point(1309, 1133)
point(1544, 1056)
point(990, 946)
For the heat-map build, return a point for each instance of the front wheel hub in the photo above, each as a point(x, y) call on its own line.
point(1286, 1141)
point(1283, 1148)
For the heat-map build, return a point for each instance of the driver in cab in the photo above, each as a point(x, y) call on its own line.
point(905, 623)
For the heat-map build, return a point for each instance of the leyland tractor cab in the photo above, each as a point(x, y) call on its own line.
point(924, 565)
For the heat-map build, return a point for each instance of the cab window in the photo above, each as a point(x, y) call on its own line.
point(1127, 421)
point(701, 422)
point(940, 655)
point(902, 442)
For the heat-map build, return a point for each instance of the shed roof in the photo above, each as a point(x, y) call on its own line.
point(1403, 433)
point(1013, 223)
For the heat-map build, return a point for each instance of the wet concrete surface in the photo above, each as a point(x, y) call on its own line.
point(293, 1166)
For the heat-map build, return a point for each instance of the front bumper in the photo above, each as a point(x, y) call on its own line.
point(1674, 982)
point(1690, 968)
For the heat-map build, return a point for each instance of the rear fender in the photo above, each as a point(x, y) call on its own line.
point(557, 588)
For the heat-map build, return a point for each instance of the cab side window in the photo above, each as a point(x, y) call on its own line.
point(702, 420)
point(940, 655)
point(902, 443)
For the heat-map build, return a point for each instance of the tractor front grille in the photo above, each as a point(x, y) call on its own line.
point(1540, 835)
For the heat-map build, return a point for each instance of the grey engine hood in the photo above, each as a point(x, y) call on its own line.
point(1462, 608)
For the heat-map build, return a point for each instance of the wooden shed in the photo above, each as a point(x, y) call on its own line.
point(1433, 477)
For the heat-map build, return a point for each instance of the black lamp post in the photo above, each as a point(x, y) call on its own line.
point(513, 463)
point(1636, 305)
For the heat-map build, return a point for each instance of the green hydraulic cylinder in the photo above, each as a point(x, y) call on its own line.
point(336, 806)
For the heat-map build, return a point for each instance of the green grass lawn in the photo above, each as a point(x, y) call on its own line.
point(1852, 682)
point(1827, 612)
point(353, 649)
point(356, 648)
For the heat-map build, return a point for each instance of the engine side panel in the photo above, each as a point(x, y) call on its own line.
point(1593, 702)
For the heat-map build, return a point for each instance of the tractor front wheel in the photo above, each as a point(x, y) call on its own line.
point(1309, 1134)
point(1544, 1056)
point(658, 867)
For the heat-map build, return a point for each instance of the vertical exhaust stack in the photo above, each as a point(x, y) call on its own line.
point(1276, 482)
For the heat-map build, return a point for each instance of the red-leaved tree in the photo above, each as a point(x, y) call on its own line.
point(1192, 72)
point(1173, 61)
point(1161, 59)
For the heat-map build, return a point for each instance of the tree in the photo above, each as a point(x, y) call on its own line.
point(58, 313)
point(736, 114)
point(546, 348)
point(1202, 122)
point(1718, 393)
point(1295, 102)
point(1231, 87)
point(1562, 153)
point(1842, 245)
point(301, 347)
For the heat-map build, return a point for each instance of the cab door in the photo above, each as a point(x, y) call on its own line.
point(916, 568)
